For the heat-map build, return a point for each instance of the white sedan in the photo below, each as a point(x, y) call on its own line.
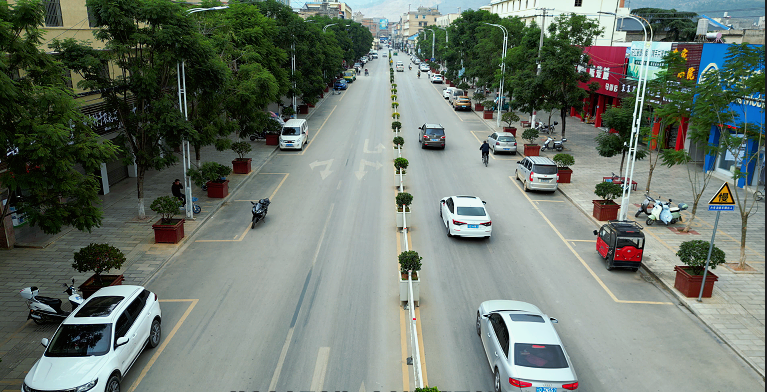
point(424, 67)
point(437, 78)
point(465, 216)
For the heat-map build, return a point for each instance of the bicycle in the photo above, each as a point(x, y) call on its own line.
point(485, 158)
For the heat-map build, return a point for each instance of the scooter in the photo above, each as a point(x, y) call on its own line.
point(647, 205)
point(259, 211)
point(44, 309)
point(551, 144)
point(541, 127)
point(664, 213)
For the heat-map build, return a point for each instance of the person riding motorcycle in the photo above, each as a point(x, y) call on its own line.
point(409, 67)
point(485, 148)
point(419, 73)
point(366, 72)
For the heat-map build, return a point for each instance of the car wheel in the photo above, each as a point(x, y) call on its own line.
point(497, 382)
point(493, 151)
point(634, 269)
point(526, 188)
point(516, 174)
point(448, 229)
point(113, 384)
point(479, 328)
point(155, 333)
point(610, 264)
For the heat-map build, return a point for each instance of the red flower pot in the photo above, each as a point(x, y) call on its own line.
point(689, 285)
point(170, 233)
point(605, 210)
point(94, 284)
point(272, 140)
point(532, 150)
point(487, 114)
point(564, 175)
point(511, 130)
point(327, 88)
point(478, 107)
point(218, 190)
point(303, 109)
point(241, 165)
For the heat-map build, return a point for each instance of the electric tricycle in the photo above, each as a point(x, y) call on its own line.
point(621, 244)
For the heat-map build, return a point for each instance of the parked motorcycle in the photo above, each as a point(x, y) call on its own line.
point(44, 309)
point(662, 211)
point(259, 211)
point(647, 205)
point(541, 127)
point(551, 144)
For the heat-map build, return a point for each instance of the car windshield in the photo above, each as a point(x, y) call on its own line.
point(288, 131)
point(463, 100)
point(545, 169)
point(471, 211)
point(637, 242)
point(506, 139)
point(348, 73)
point(435, 132)
point(547, 356)
point(80, 340)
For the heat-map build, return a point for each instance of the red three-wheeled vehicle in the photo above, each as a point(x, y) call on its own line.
point(621, 243)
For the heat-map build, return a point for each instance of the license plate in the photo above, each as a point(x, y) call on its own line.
point(506, 149)
point(289, 144)
point(545, 179)
point(474, 226)
point(545, 389)
point(435, 140)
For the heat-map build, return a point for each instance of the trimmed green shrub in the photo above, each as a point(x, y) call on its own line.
point(166, 206)
point(693, 253)
point(409, 260)
point(98, 258)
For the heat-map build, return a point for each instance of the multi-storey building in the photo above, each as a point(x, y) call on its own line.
point(413, 22)
point(331, 8)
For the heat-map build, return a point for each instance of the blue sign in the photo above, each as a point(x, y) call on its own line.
point(721, 208)
point(432, 60)
point(383, 24)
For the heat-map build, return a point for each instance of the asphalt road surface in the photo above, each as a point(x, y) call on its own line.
point(308, 301)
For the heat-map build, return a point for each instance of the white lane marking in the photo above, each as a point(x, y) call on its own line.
point(327, 164)
point(318, 379)
point(283, 354)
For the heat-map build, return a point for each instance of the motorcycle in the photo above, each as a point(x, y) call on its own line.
point(647, 205)
point(664, 213)
point(44, 309)
point(556, 145)
point(366, 72)
point(541, 127)
point(259, 211)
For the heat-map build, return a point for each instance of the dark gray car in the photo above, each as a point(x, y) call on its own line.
point(432, 135)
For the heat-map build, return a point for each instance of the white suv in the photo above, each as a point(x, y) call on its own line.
point(98, 342)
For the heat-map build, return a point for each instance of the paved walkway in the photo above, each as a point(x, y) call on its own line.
point(735, 313)
point(45, 261)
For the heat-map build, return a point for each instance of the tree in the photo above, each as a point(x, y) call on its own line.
point(562, 51)
point(677, 25)
point(611, 144)
point(527, 90)
point(44, 135)
point(145, 39)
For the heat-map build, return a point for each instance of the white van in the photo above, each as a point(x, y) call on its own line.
point(400, 66)
point(457, 92)
point(295, 134)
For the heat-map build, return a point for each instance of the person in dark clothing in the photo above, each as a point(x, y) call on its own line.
point(177, 190)
point(485, 148)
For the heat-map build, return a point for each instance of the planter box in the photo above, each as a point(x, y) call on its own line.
point(532, 150)
point(241, 166)
point(403, 289)
point(451, 84)
point(168, 233)
point(303, 109)
point(92, 285)
point(272, 140)
point(478, 107)
point(327, 88)
point(511, 130)
point(689, 285)
point(605, 212)
point(564, 175)
point(396, 152)
point(218, 190)
point(487, 114)
point(399, 219)
point(311, 105)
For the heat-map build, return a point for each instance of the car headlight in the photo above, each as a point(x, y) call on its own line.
point(87, 387)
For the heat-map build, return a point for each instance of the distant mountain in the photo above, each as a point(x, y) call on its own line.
point(393, 9)
point(710, 8)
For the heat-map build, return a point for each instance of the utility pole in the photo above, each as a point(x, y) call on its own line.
point(540, 46)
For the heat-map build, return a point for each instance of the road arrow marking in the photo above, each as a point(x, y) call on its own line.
point(379, 148)
point(361, 172)
point(327, 171)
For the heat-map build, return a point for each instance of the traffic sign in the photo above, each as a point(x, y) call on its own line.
point(723, 197)
point(713, 207)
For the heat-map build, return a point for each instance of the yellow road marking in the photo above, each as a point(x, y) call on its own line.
point(583, 262)
point(549, 201)
point(278, 186)
point(582, 240)
point(166, 340)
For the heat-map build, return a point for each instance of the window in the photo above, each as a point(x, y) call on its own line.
point(53, 13)
point(531, 318)
point(501, 333)
point(122, 326)
point(471, 211)
point(91, 18)
point(578, 3)
point(99, 307)
point(80, 340)
point(547, 356)
point(450, 205)
point(545, 169)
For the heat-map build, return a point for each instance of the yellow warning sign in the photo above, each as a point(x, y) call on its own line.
point(723, 197)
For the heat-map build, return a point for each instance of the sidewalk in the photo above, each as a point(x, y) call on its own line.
point(735, 312)
point(45, 261)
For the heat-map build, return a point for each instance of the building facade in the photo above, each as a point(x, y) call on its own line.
point(413, 22)
point(330, 8)
point(446, 20)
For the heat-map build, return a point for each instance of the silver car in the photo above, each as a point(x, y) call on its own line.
point(523, 348)
point(537, 173)
point(502, 142)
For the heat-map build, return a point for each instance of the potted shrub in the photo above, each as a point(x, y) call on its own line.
point(531, 147)
point(510, 117)
point(395, 115)
point(398, 141)
point(488, 112)
point(689, 278)
point(241, 165)
point(606, 209)
point(394, 105)
point(213, 176)
point(564, 161)
point(400, 164)
point(403, 199)
point(478, 97)
point(98, 258)
point(395, 126)
point(409, 261)
point(272, 130)
point(394, 95)
point(288, 112)
point(167, 230)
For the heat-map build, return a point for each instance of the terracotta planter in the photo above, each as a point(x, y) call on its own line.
point(512, 130)
point(478, 107)
point(312, 105)
point(272, 140)
point(241, 165)
point(564, 175)
point(327, 88)
point(689, 285)
point(170, 233)
point(303, 109)
point(487, 114)
point(605, 212)
point(218, 190)
point(92, 285)
point(451, 84)
point(532, 150)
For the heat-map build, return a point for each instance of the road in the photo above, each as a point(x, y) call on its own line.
point(308, 301)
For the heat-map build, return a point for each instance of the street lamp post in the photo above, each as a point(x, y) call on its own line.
point(637, 117)
point(499, 105)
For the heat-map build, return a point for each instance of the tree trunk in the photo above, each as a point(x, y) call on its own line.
point(649, 177)
point(562, 115)
point(743, 229)
point(140, 190)
point(692, 213)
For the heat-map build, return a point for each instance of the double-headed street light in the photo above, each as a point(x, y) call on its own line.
point(499, 104)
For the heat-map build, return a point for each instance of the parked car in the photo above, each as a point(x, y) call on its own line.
point(523, 348)
point(431, 135)
point(465, 216)
point(537, 173)
point(95, 346)
point(457, 92)
point(424, 67)
point(295, 134)
point(436, 78)
point(502, 142)
point(462, 103)
point(349, 76)
point(447, 91)
point(621, 244)
point(340, 84)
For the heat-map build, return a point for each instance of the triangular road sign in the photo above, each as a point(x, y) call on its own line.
point(723, 197)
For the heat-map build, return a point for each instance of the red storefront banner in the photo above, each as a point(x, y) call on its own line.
point(607, 67)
